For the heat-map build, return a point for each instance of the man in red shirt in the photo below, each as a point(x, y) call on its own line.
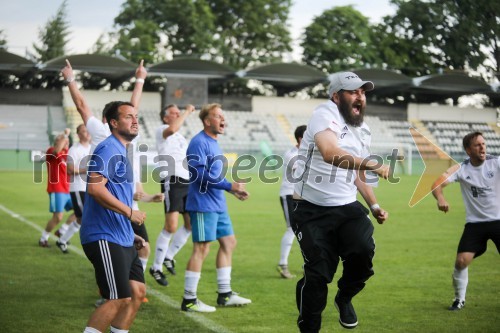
point(57, 185)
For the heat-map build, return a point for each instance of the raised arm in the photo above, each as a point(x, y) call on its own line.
point(327, 143)
point(176, 124)
point(81, 104)
point(140, 76)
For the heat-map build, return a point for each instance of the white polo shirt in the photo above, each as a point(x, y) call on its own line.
point(174, 146)
point(480, 188)
point(322, 183)
point(78, 155)
point(286, 187)
point(97, 130)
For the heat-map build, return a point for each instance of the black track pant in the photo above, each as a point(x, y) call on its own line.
point(325, 235)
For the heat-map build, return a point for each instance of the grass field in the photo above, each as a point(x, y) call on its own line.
point(43, 290)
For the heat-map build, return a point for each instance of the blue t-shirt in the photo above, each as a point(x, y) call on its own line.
point(110, 160)
point(207, 183)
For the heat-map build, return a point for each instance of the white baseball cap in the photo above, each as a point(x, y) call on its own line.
point(347, 81)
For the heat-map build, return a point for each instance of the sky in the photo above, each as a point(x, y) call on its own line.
point(21, 20)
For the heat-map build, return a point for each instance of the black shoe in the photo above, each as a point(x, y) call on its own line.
point(348, 317)
point(457, 305)
point(158, 276)
point(169, 265)
point(63, 247)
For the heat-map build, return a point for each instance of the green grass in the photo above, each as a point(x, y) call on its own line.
point(45, 291)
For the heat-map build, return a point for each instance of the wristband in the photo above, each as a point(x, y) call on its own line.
point(131, 211)
point(374, 206)
point(70, 79)
point(139, 80)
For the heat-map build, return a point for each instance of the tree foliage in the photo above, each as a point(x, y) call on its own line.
point(339, 39)
point(53, 36)
point(3, 40)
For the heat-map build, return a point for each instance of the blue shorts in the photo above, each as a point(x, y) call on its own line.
point(59, 202)
point(207, 227)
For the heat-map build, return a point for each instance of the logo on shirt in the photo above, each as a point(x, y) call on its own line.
point(345, 128)
point(490, 174)
point(467, 178)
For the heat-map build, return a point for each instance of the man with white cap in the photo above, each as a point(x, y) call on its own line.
point(328, 221)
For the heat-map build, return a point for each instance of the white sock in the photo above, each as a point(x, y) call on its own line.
point(161, 249)
point(286, 245)
point(144, 262)
point(73, 229)
point(180, 238)
point(117, 330)
point(63, 228)
point(224, 279)
point(91, 330)
point(460, 280)
point(191, 280)
point(45, 236)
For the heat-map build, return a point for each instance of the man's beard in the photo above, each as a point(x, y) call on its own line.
point(127, 135)
point(346, 111)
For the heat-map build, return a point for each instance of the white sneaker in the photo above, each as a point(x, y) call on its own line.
point(232, 299)
point(195, 305)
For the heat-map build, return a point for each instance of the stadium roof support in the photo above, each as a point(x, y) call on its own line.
point(192, 68)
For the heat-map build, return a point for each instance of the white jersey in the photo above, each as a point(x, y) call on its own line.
point(78, 156)
point(480, 188)
point(286, 187)
point(97, 130)
point(173, 147)
point(322, 183)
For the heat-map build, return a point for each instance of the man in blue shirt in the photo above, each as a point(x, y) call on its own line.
point(106, 233)
point(207, 208)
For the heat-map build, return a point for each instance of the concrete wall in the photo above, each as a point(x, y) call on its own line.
point(30, 96)
point(451, 113)
point(281, 105)
point(97, 99)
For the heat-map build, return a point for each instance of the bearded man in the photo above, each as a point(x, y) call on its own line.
point(328, 221)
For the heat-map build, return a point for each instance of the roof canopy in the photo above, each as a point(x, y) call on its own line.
point(190, 67)
point(11, 63)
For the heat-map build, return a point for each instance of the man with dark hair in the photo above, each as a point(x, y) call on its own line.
point(479, 178)
point(171, 146)
point(106, 233)
point(328, 221)
point(286, 193)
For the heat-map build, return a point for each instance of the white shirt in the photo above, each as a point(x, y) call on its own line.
point(286, 187)
point(98, 131)
point(322, 183)
point(480, 188)
point(172, 151)
point(78, 156)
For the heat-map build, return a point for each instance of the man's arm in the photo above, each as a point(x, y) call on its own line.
point(140, 195)
point(176, 124)
point(327, 143)
point(81, 104)
point(61, 141)
point(367, 193)
point(97, 189)
point(140, 76)
point(439, 184)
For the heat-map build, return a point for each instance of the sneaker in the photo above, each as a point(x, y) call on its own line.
point(195, 305)
point(457, 305)
point(99, 302)
point(232, 299)
point(348, 317)
point(170, 265)
point(43, 243)
point(63, 247)
point(284, 272)
point(158, 276)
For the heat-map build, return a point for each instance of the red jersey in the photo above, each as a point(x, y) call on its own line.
point(58, 178)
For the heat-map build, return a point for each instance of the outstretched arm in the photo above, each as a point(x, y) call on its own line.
point(81, 105)
point(366, 192)
point(140, 76)
point(176, 124)
point(439, 184)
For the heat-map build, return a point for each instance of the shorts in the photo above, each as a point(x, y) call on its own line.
point(475, 237)
point(207, 227)
point(140, 230)
point(59, 202)
point(77, 200)
point(176, 191)
point(114, 267)
point(286, 202)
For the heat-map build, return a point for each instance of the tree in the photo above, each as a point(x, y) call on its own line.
point(339, 39)
point(3, 40)
point(456, 34)
point(54, 36)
